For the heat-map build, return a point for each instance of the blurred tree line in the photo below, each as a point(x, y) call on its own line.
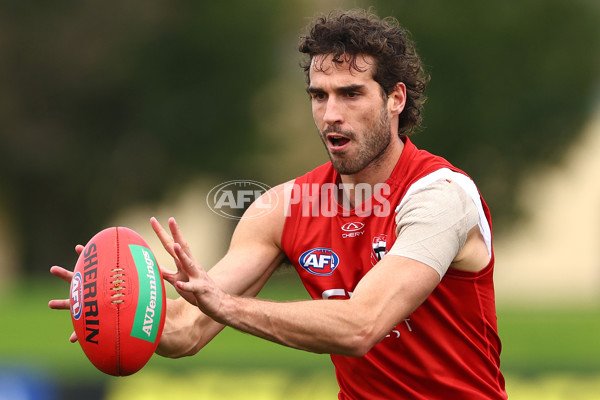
point(512, 83)
point(103, 105)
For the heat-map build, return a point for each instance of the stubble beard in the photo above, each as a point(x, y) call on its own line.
point(371, 149)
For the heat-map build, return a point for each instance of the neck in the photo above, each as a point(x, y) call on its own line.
point(375, 173)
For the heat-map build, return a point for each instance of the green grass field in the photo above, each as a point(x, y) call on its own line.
point(547, 354)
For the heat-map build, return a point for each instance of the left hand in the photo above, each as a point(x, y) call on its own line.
point(191, 281)
point(67, 276)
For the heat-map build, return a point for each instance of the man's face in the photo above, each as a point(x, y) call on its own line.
point(350, 112)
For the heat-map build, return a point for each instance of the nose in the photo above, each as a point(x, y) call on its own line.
point(333, 112)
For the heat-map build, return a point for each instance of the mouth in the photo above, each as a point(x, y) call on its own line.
point(337, 141)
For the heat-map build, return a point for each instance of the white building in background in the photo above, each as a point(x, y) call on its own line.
point(554, 256)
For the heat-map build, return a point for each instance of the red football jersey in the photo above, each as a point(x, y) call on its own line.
point(448, 348)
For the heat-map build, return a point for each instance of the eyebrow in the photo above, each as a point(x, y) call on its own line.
point(342, 89)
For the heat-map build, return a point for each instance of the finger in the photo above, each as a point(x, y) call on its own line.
point(178, 236)
point(187, 263)
point(186, 286)
point(78, 249)
point(171, 278)
point(59, 304)
point(62, 273)
point(163, 236)
point(166, 271)
point(73, 337)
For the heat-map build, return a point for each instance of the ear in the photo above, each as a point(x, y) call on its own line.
point(397, 99)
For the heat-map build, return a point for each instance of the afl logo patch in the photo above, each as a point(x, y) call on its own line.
point(76, 296)
point(319, 261)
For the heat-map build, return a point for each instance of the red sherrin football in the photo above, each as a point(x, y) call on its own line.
point(118, 302)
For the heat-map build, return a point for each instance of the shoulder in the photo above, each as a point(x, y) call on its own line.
point(433, 224)
point(264, 219)
point(442, 200)
point(270, 204)
point(458, 193)
point(433, 182)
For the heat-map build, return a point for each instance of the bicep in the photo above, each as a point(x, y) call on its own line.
point(246, 268)
point(255, 249)
point(393, 289)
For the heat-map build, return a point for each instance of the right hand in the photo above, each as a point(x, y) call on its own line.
point(176, 245)
point(66, 275)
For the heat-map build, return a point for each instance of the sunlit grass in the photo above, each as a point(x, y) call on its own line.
point(547, 354)
point(277, 385)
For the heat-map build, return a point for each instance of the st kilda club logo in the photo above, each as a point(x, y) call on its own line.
point(379, 248)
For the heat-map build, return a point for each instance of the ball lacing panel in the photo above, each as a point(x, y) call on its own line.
point(117, 286)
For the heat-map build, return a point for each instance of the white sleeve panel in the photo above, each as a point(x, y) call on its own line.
point(433, 222)
point(468, 186)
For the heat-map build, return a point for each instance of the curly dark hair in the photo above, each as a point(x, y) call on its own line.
point(346, 34)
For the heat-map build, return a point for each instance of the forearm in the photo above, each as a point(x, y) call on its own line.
point(320, 326)
point(383, 298)
point(186, 330)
